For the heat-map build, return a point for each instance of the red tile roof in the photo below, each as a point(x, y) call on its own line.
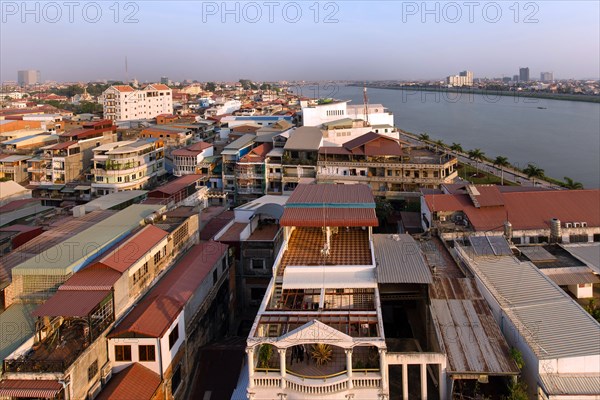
point(192, 150)
point(157, 86)
point(489, 196)
point(71, 303)
point(17, 204)
point(63, 145)
point(257, 154)
point(245, 129)
point(134, 382)
point(125, 255)
point(19, 228)
point(176, 185)
point(317, 217)
point(153, 315)
point(233, 233)
point(124, 88)
point(215, 225)
point(525, 210)
point(39, 388)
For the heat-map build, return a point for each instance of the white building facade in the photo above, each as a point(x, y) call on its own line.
point(124, 103)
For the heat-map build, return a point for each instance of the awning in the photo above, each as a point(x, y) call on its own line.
point(71, 303)
point(83, 188)
point(318, 217)
point(21, 388)
point(51, 187)
point(316, 277)
point(68, 190)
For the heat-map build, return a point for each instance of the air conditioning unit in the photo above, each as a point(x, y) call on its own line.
point(106, 376)
point(568, 225)
point(94, 391)
point(576, 225)
point(442, 218)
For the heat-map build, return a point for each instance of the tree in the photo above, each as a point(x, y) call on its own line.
point(211, 86)
point(571, 184)
point(501, 162)
point(533, 172)
point(457, 148)
point(424, 137)
point(477, 156)
point(439, 144)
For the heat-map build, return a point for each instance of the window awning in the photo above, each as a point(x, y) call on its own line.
point(22, 388)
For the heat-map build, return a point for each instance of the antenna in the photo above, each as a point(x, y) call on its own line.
point(126, 71)
point(366, 103)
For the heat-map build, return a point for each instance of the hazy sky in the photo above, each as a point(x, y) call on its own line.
point(285, 40)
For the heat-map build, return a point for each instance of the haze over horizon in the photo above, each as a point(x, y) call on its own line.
point(370, 41)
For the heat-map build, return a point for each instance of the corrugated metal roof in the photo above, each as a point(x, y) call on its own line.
point(471, 338)
point(240, 143)
point(490, 245)
point(131, 250)
point(553, 325)
point(589, 253)
point(305, 138)
point(70, 255)
point(316, 217)
point(323, 195)
point(176, 185)
point(29, 388)
point(571, 275)
point(17, 326)
point(134, 382)
point(537, 253)
point(399, 260)
point(97, 276)
point(71, 303)
point(109, 201)
point(331, 277)
point(570, 384)
point(153, 315)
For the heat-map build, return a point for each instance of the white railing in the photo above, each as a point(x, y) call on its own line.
point(366, 382)
point(315, 388)
point(267, 381)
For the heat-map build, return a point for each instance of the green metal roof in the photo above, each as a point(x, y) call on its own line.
point(69, 256)
point(17, 325)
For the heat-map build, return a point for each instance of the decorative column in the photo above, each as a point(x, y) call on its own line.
point(349, 367)
point(282, 366)
point(423, 381)
point(250, 353)
point(405, 381)
point(383, 369)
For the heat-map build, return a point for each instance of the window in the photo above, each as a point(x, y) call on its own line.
point(92, 370)
point(215, 276)
point(173, 336)
point(140, 273)
point(156, 257)
point(123, 353)
point(257, 294)
point(258, 263)
point(176, 379)
point(147, 353)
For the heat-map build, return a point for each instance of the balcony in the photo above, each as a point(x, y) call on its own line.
point(250, 190)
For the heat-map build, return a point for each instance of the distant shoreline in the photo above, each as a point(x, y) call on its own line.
point(492, 92)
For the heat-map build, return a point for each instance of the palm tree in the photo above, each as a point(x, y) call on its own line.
point(501, 162)
point(533, 172)
point(424, 137)
point(439, 145)
point(457, 148)
point(476, 155)
point(571, 184)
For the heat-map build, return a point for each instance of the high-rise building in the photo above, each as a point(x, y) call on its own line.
point(546, 76)
point(524, 74)
point(28, 77)
point(165, 80)
point(515, 78)
point(464, 78)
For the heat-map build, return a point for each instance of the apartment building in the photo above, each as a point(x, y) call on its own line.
point(322, 303)
point(250, 174)
point(319, 113)
point(338, 132)
point(127, 165)
point(124, 103)
point(230, 155)
point(389, 166)
point(14, 167)
point(84, 308)
point(171, 135)
point(300, 155)
point(182, 312)
point(193, 159)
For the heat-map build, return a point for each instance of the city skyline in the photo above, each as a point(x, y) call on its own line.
point(330, 41)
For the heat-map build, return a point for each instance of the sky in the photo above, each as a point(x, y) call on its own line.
point(298, 40)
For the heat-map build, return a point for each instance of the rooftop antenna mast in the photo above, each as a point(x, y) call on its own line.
point(366, 103)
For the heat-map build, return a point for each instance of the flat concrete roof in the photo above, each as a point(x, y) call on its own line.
point(109, 201)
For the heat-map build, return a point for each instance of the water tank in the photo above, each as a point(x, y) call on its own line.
point(508, 230)
point(555, 230)
point(150, 219)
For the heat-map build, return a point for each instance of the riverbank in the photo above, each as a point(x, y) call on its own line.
point(492, 93)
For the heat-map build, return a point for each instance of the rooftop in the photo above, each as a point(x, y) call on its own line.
point(68, 259)
point(153, 315)
point(134, 382)
point(108, 201)
point(305, 138)
point(400, 260)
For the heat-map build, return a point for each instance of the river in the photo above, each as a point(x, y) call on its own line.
point(562, 137)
